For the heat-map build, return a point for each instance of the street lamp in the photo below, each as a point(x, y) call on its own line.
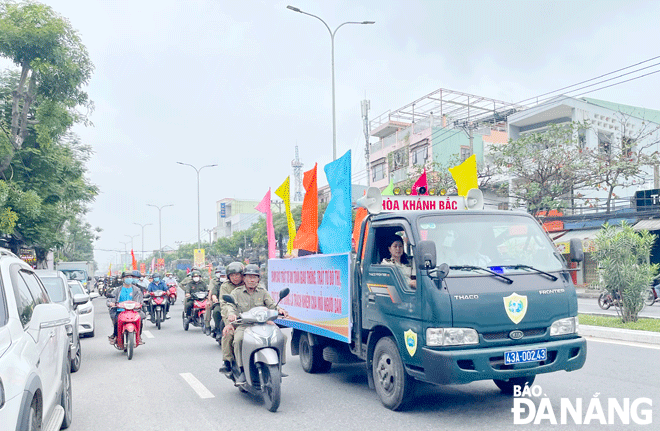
point(125, 250)
point(199, 223)
point(332, 43)
point(131, 237)
point(160, 237)
point(142, 226)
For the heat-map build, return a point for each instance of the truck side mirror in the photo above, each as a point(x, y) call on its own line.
point(426, 255)
point(576, 254)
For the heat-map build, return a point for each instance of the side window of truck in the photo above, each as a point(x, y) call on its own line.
point(384, 238)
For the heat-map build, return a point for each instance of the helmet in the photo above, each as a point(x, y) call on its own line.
point(126, 274)
point(235, 268)
point(195, 273)
point(155, 275)
point(252, 269)
point(220, 269)
point(136, 273)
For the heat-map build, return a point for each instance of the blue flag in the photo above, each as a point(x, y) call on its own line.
point(336, 227)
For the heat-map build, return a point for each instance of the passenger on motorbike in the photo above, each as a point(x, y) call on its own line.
point(216, 282)
point(196, 285)
point(128, 291)
point(158, 284)
point(235, 273)
point(247, 297)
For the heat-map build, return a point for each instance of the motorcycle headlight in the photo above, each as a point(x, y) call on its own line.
point(565, 326)
point(261, 316)
point(451, 336)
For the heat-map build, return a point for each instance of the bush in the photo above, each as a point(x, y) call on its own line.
point(623, 266)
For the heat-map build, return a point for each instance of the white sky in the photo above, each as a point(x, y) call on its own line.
point(240, 83)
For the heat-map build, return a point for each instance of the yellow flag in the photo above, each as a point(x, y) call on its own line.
point(283, 192)
point(465, 175)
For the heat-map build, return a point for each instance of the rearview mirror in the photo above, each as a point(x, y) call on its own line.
point(576, 254)
point(425, 255)
point(229, 299)
point(284, 292)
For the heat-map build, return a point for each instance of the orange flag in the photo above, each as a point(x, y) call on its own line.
point(360, 214)
point(307, 235)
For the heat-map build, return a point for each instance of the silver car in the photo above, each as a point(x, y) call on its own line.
point(58, 289)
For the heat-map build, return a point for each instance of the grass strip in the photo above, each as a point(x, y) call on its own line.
point(615, 322)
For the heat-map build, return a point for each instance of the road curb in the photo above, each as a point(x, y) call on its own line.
point(631, 335)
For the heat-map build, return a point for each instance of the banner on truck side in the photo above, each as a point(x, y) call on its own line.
point(319, 301)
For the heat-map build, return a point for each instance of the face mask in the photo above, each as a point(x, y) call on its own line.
point(156, 280)
point(128, 280)
point(195, 279)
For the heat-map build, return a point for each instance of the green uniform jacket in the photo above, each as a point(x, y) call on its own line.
point(226, 289)
point(246, 301)
point(193, 287)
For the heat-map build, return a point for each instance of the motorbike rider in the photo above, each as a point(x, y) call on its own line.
point(216, 282)
point(235, 273)
point(158, 284)
point(128, 291)
point(196, 285)
point(251, 295)
point(169, 279)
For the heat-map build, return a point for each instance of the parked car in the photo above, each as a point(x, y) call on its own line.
point(57, 287)
point(85, 311)
point(35, 361)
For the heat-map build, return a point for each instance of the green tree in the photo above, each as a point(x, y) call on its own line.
point(545, 167)
point(438, 176)
point(623, 266)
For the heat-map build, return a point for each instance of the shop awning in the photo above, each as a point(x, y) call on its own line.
point(580, 234)
point(650, 224)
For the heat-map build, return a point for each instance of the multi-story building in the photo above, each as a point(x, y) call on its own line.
point(234, 215)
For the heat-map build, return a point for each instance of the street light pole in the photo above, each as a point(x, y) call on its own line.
point(332, 44)
point(125, 250)
point(160, 237)
point(131, 237)
point(199, 222)
point(142, 226)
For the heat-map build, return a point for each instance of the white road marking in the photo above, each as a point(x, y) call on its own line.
point(623, 343)
point(147, 334)
point(197, 385)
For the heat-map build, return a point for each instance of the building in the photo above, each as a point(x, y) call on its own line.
point(435, 128)
point(234, 215)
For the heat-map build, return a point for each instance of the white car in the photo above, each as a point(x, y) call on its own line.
point(85, 311)
point(35, 361)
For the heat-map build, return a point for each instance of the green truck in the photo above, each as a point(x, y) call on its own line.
point(486, 295)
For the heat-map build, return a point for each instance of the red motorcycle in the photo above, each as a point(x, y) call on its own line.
point(128, 327)
point(171, 293)
point(157, 300)
point(197, 313)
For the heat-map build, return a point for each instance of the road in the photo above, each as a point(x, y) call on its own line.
point(150, 392)
point(590, 306)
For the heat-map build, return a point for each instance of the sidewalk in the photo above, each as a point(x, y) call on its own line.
point(586, 293)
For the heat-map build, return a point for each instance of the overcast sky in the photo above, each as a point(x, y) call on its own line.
point(240, 83)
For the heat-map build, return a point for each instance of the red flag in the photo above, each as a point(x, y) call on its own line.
point(134, 262)
point(307, 235)
point(359, 217)
point(421, 182)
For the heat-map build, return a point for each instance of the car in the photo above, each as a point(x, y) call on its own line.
point(85, 311)
point(57, 287)
point(35, 361)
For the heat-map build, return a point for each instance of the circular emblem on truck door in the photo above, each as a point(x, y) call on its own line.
point(516, 335)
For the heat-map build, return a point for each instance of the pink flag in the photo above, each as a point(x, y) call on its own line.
point(153, 264)
point(264, 207)
point(421, 182)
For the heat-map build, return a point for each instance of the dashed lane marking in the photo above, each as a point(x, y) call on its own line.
point(148, 334)
point(197, 385)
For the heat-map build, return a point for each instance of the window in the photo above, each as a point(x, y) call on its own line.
point(378, 172)
point(55, 288)
point(420, 154)
point(465, 153)
point(3, 307)
point(604, 143)
point(38, 293)
point(24, 302)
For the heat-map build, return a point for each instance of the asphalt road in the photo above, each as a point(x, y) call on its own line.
point(590, 306)
point(150, 392)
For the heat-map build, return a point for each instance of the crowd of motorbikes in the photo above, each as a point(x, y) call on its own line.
point(262, 345)
point(608, 299)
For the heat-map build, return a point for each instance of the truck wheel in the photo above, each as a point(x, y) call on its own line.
point(311, 357)
point(506, 386)
point(393, 385)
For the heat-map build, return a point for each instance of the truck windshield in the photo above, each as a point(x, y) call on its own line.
point(503, 243)
point(75, 274)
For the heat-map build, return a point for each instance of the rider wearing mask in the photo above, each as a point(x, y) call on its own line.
point(216, 282)
point(196, 285)
point(128, 291)
point(158, 284)
point(235, 273)
point(249, 296)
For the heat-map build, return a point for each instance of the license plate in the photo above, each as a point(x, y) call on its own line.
point(522, 356)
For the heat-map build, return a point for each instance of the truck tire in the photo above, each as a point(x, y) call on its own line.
point(506, 386)
point(393, 385)
point(311, 357)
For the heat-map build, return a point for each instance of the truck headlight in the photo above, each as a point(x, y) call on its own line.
point(451, 336)
point(565, 326)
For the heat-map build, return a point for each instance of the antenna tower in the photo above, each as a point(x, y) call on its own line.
point(297, 178)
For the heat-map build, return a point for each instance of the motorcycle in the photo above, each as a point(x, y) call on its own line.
point(606, 300)
point(263, 344)
point(197, 313)
point(128, 327)
point(171, 293)
point(100, 286)
point(157, 301)
point(652, 295)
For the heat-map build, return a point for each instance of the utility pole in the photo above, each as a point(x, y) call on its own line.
point(365, 104)
point(209, 232)
point(142, 226)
